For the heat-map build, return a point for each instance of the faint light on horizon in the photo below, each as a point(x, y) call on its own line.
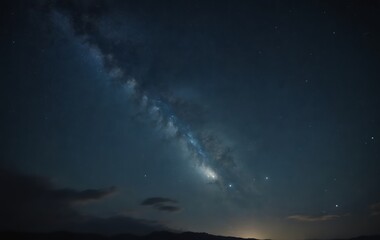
point(247, 234)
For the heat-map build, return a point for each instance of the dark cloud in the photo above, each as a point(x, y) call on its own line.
point(162, 204)
point(308, 218)
point(31, 203)
point(157, 200)
point(375, 209)
point(169, 208)
point(85, 196)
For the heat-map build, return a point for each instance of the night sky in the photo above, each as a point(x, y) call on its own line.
point(244, 118)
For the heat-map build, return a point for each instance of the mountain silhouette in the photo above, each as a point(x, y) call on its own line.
point(162, 235)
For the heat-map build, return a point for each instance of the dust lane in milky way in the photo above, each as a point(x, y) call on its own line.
point(154, 108)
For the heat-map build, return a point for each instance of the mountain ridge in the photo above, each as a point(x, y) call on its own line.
point(159, 235)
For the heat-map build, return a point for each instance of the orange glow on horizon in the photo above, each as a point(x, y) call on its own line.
point(249, 233)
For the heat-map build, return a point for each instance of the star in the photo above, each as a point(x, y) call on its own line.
point(336, 205)
point(266, 178)
point(230, 185)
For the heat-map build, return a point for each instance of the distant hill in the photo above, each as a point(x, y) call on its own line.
point(90, 236)
point(153, 236)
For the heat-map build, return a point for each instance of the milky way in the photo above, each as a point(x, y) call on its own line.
point(212, 159)
point(171, 126)
point(166, 120)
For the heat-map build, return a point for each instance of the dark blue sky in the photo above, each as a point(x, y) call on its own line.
point(244, 118)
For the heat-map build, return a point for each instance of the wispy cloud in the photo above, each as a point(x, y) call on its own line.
point(157, 200)
point(308, 218)
point(85, 196)
point(375, 209)
point(162, 204)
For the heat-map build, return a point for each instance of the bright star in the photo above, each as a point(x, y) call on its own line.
point(209, 173)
